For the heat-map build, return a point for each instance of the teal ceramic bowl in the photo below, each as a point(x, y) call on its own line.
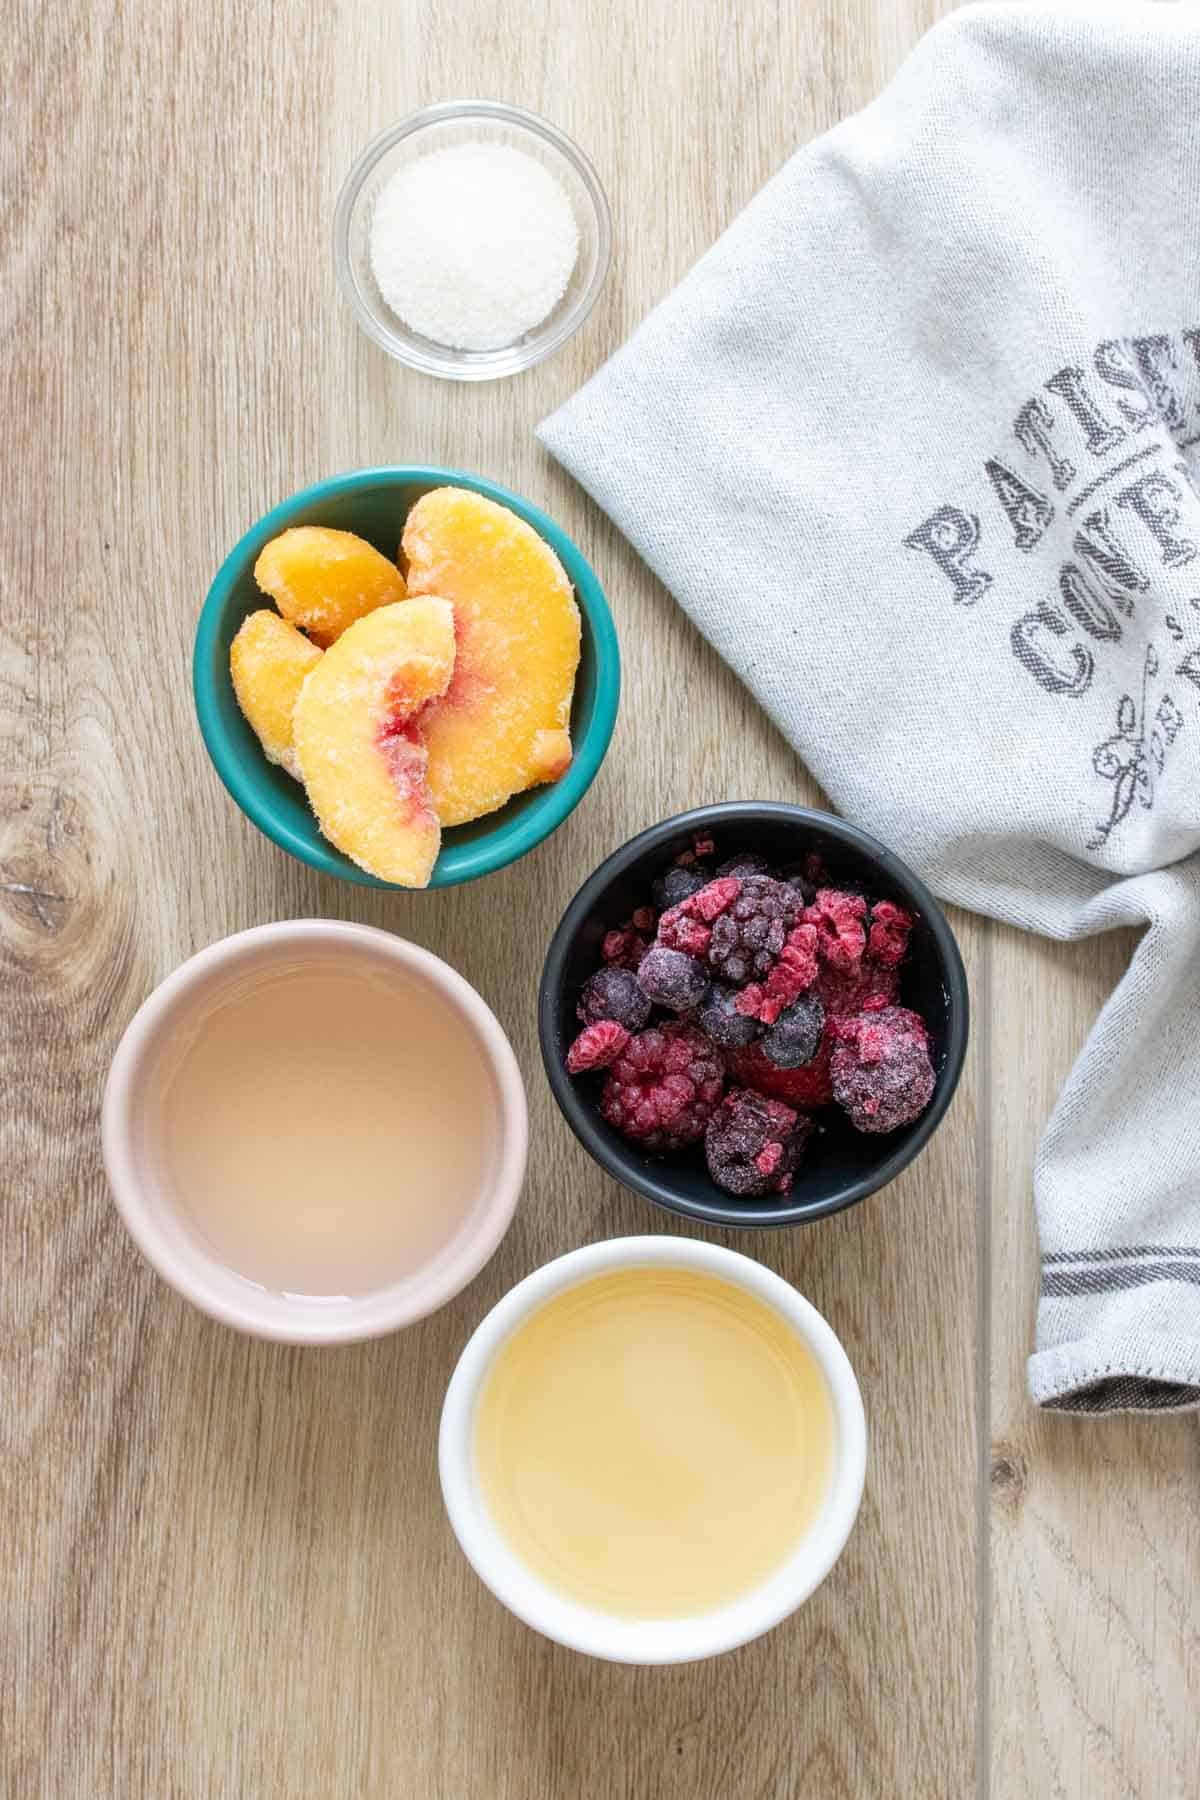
point(375, 503)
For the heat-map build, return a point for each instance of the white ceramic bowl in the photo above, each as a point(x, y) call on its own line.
point(655, 1640)
point(131, 1131)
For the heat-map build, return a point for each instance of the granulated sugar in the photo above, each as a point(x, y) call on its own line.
point(473, 246)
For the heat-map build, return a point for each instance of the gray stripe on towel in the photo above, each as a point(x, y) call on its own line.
point(1074, 1283)
point(1120, 1251)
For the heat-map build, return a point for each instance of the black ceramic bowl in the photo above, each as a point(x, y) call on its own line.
point(843, 1165)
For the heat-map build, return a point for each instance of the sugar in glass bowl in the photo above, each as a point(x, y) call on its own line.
point(442, 127)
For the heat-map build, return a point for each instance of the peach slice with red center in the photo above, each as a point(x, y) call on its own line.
point(503, 724)
point(359, 743)
point(323, 580)
point(269, 662)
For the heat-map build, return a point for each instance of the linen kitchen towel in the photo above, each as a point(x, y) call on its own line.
point(917, 446)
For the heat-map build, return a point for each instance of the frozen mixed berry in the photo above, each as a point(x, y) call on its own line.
point(753, 1144)
point(663, 1088)
point(795, 1037)
point(597, 1046)
point(749, 862)
point(614, 993)
point(679, 882)
point(787, 989)
point(888, 933)
point(880, 1067)
point(722, 1019)
point(841, 933)
point(670, 978)
point(749, 934)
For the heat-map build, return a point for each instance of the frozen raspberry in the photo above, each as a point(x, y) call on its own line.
point(596, 1046)
point(841, 934)
point(722, 1020)
point(624, 946)
point(678, 883)
point(613, 993)
point(753, 1144)
point(749, 935)
point(888, 931)
point(792, 975)
point(795, 1037)
point(881, 1071)
point(671, 979)
point(677, 931)
point(662, 1089)
point(808, 1086)
point(715, 898)
point(748, 863)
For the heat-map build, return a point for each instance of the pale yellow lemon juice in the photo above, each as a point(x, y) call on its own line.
point(654, 1442)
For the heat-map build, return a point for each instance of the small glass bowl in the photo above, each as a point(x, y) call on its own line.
point(437, 128)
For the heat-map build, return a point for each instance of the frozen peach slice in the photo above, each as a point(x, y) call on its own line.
point(503, 725)
point(323, 580)
point(269, 661)
point(358, 739)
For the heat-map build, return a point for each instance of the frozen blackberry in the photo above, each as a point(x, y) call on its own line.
point(880, 1068)
point(613, 993)
point(749, 862)
point(748, 936)
point(753, 1144)
point(672, 979)
point(596, 1046)
point(663, 1088)
point(795, 1037)
point(678, 883)
point(721, 1019)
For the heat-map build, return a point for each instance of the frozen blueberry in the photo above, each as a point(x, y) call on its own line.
point(720, 1020)
point(796, 1034)
point(678, 883)
point(613, 993)
point(748, 863)
point(801, 883)
point(671, 979)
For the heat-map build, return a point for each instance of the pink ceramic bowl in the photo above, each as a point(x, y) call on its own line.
point(132, 1134)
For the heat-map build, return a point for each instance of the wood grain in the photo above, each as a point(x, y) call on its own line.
point(224, 1567)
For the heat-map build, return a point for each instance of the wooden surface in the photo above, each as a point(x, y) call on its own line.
point(224, 1567)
